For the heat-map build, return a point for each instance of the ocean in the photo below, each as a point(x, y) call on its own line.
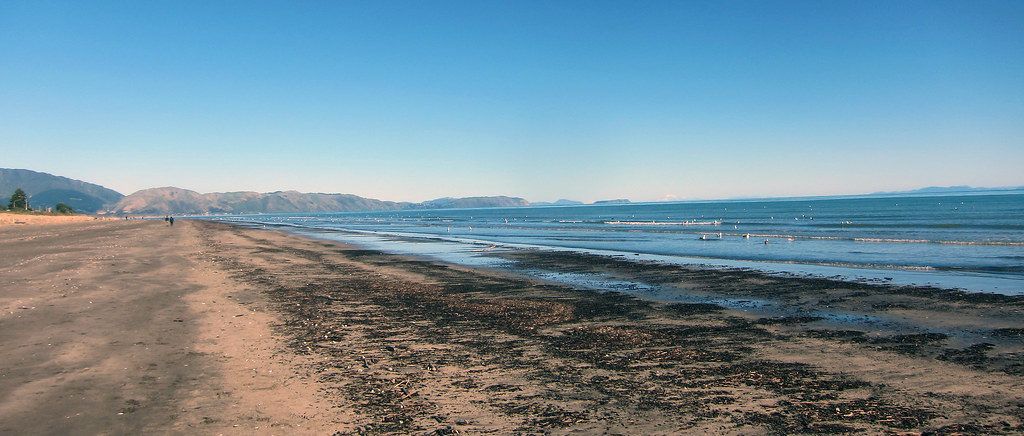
point(970, 242)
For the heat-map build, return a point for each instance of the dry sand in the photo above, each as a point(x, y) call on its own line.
point(122, 327)
point(12, 219)
point(128, 327)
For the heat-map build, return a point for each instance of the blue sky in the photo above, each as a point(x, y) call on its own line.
point(544, 100)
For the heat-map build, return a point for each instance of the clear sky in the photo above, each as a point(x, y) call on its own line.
point(548, 99)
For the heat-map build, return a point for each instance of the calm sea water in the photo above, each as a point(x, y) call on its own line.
point(974, 242)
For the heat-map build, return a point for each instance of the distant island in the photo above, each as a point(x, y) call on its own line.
point(616, 201)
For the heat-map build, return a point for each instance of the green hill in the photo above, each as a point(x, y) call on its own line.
point(46, 190)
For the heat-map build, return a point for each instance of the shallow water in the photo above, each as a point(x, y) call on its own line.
point(970, 242)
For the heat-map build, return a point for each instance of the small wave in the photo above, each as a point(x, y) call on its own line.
point(880, 240)
point(664, 223)
point(918, 225)
point(893, 240)
point(875, 266)
point(785, 236)
point(997, 243)
point(928, 241)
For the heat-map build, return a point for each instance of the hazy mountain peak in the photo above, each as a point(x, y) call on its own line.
point(173, 200)
point(46, 190)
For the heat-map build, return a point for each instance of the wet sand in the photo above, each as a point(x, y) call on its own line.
point(99, 321)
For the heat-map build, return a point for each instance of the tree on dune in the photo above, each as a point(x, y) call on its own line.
point(18, 200)
point(63, 209)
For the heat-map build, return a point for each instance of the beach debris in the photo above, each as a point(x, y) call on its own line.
point(974, 355)
point(785, 320)
point(131, 405)
point(694, 308)
point(1008, 333)
point(446, 430)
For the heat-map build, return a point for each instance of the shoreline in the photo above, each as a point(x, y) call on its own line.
point(612, 362)
point(294, 334)
point(876, 307)
point(901, 276)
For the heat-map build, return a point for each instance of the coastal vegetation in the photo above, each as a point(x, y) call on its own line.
point(44, 190)
point(63, 209)
point(19, 203)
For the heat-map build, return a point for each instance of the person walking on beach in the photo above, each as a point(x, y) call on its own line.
point(170, 219)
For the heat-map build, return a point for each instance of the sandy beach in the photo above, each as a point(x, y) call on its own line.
point(19, 219)
point(123, 327)
point(136, 326)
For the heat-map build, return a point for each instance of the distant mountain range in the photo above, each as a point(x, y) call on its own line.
point(948, 190)
point(560, 202)
point(468, 202)
point(46, 190)
point(171, 200)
